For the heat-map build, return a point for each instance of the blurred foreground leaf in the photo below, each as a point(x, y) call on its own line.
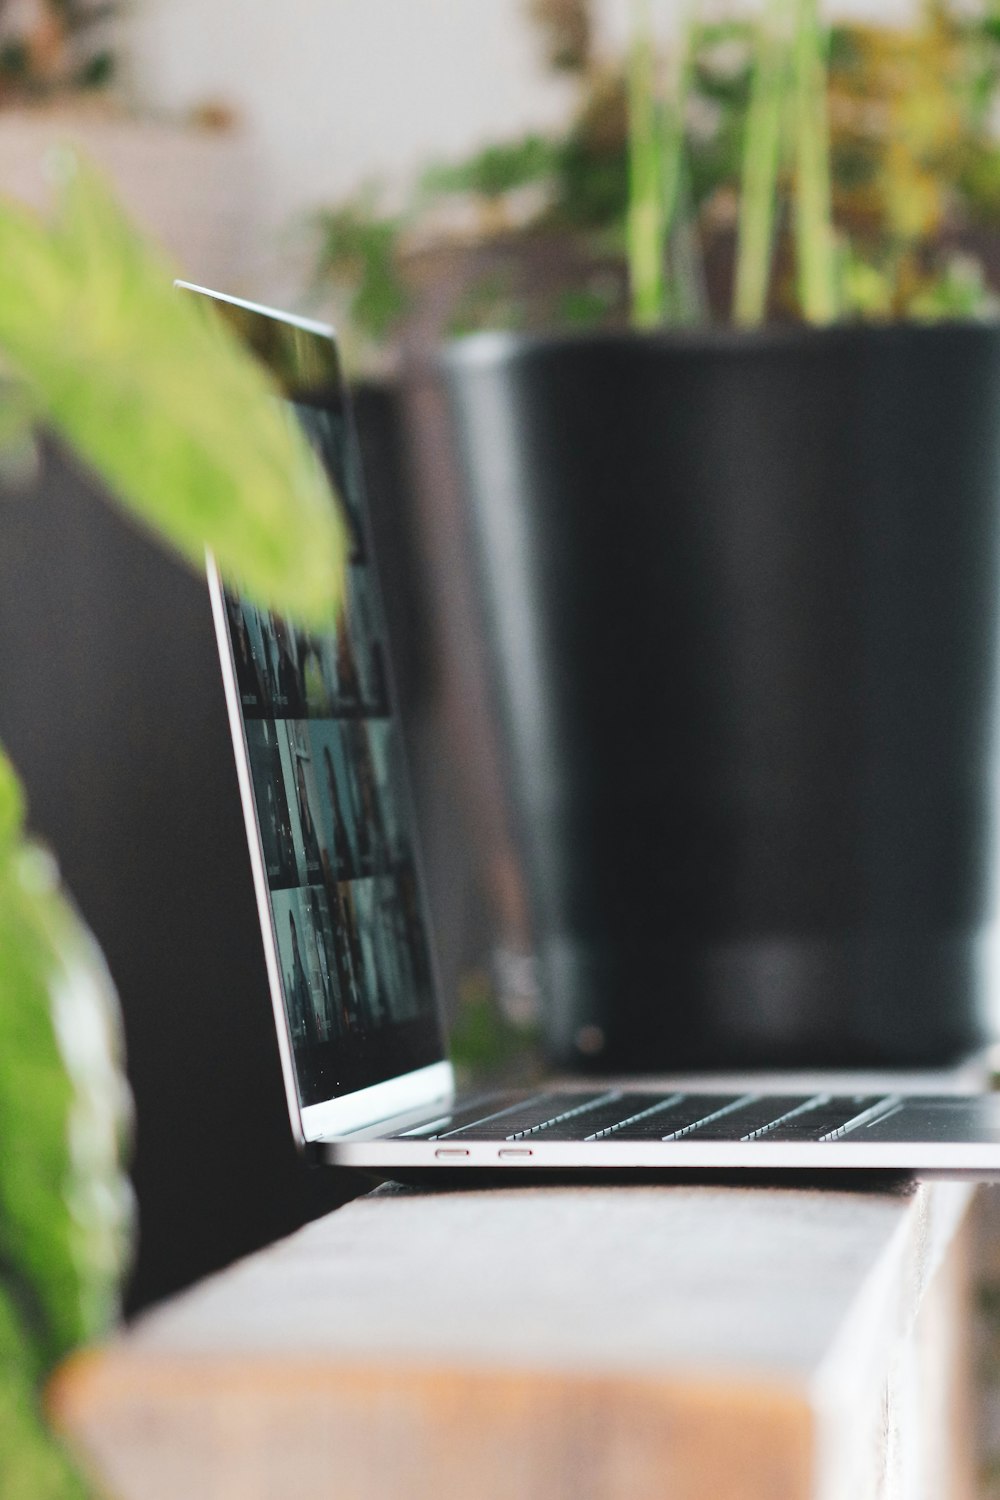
point(151, 390)
point(65, 1208)
point(33, 1466)
point(65, 1204)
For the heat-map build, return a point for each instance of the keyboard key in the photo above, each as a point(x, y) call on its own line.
point(750, 1120)
point(603, 1119)
point(831, 1115)
point(680, 1113)
point(445, 1120)
point(529, 1117)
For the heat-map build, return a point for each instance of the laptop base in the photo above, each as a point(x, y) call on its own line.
point(670, 1130)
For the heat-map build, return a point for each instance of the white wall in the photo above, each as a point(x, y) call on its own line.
point(337, 91)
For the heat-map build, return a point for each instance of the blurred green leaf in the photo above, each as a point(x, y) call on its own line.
point(959, 290)
point(645, 227)
point(33, 1465)
point(758, 203)
point(359, 254)
point(583, 307)
point(150, 388)
point(65, 1207)
point(65, 1203)
point(11, 807)
point(591, 177)
point(97, 72)
point(867, 288)
point(815, 240)
point(979, 181)
point(496, 169)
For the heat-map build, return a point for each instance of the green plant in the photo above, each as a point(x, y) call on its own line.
point(150, 390)
point(916, 164)
point(863, 153)
point(495, 171)
point(359, 258)
point(788, 91)
point(760, 166)
point(761, 159)
point(787, 100)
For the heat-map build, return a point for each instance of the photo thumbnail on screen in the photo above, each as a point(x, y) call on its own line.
point(327, 798)
point(353, 963)
point(289, 674)
point(271, 798)
point(321, 1003)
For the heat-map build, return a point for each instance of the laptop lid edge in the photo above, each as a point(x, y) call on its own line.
point(260, 885)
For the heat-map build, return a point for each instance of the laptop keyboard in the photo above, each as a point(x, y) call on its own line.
point(650, 1116)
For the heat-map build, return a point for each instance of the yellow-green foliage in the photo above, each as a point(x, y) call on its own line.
point(914, 159)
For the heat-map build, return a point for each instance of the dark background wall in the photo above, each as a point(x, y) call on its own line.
point(111, 706)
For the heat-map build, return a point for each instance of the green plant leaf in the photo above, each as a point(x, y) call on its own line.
point(65, 1205)
point(680, 295)
point(496, 169)
point(645, 224)
point(151, 390)
point(360, 258)
point(761, 156)
point(33, 1464)
point(816, 246)
point(11, 807)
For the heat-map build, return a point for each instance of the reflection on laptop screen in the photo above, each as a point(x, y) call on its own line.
point(333, 817)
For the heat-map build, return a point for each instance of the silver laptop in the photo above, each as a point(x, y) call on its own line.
point(345, 930)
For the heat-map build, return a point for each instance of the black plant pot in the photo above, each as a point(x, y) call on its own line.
point(741, 594)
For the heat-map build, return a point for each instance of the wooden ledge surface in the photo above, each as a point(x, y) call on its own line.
point(700, 1280)
point(559, 1342)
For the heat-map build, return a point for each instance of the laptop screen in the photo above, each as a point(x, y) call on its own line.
point(331, 803)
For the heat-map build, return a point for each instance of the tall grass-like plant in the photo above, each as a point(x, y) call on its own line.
point(761, 161)
point(661, 286)
point(786, 131)
point(646, 226)
point(155, 395)
point(815, 247)
point(684, 292)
